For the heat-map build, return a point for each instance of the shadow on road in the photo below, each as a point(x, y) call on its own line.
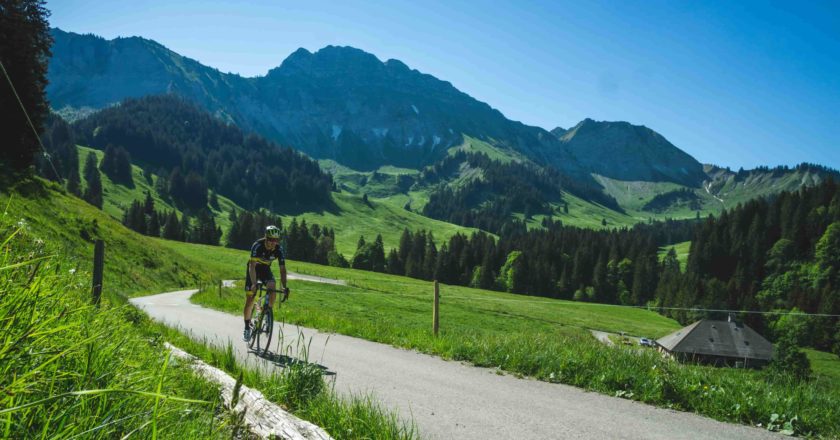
point(283, 361)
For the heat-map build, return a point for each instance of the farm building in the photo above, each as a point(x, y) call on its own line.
point(721, 343)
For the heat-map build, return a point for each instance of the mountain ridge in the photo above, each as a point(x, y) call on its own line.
point(338, 103)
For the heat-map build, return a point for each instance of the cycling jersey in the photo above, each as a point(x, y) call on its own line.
point(261, 254)
point(263, 257)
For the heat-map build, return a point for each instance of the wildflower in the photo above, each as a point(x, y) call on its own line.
point(72, 271)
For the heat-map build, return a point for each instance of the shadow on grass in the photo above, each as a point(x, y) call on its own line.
point(322, 207)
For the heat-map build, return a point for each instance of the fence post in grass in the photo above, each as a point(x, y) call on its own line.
point(220, 288)
point(436, 310)
point(98, 263)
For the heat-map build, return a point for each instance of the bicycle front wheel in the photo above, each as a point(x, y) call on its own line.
point(256, 325)
point(265, 330)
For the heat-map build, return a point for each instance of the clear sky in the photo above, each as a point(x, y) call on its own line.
point(735, 83)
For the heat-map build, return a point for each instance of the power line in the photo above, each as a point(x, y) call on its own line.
point(28, 119)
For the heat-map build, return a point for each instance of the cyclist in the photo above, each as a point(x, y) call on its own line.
point(263, 252)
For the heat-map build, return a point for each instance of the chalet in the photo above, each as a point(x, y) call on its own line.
point(720, 343)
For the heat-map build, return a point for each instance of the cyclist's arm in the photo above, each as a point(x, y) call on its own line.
point(283, 275)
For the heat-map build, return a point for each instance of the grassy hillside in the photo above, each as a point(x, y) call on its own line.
point(504, 155)
point(103, 372)
point(71, 370)
point(682, 252)
point(133, 263)
point(350, 218)
point(117, 198)
point(723, 190)
point(732, 189)
point(353, 217)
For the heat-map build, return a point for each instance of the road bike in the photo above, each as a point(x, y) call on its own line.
point(262, 326)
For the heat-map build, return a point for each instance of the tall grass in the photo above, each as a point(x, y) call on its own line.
point(72, 370)
point(300, 388)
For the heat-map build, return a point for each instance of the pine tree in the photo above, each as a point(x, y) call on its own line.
point(172, 227)
point(187, 231)
point(378, 255)
point(214, 200)
point(122, 167)
point(93, 192)
point(394, 265)
point(24, 53)
point(74, 184)
point(153, 226)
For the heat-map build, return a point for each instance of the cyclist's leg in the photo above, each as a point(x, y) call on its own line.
point(271, 292)
point(267, 277)
point(249, 297)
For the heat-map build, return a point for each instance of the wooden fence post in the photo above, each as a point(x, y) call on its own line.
point(220, 288)
point(98, 266)
point(436, 310)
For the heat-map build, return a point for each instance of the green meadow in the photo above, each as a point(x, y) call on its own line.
point(546, 339)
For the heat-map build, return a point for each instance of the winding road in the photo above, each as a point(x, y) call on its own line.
point(452, 400)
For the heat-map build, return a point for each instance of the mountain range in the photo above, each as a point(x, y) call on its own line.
point(345, 105)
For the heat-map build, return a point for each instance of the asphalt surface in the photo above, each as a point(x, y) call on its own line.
point(452, 400)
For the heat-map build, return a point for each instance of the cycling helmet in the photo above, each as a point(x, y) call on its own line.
point(272, 232)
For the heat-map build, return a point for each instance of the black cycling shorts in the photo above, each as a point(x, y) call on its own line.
point(263, 272)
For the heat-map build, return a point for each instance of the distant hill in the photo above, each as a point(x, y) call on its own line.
point(623, 151)
point(733, 187)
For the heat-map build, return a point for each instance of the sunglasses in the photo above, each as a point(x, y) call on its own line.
point(273, 240)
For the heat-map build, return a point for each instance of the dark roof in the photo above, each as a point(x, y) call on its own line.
point(718, 338)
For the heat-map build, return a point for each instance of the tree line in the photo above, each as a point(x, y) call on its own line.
point(302, 242)
point(144, 218)
point(195, 152)
point(781, 253)
point(503, 189)
point(619, 266)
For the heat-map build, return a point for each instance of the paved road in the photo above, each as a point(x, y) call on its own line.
point(451, 400)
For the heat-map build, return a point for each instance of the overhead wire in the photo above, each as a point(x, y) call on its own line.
point(29, 120)
point(552, 301)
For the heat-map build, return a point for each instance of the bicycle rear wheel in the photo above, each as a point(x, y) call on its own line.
point(265, 330)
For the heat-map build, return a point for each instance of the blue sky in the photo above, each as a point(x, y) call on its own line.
point(742, 83)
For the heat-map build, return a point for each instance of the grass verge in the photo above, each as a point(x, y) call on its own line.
point(72, 370)
point(301, 389)
point(546, 339)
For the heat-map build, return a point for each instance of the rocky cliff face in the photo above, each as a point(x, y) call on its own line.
point(623, 151)
point(87, 71)
point(338, 102)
